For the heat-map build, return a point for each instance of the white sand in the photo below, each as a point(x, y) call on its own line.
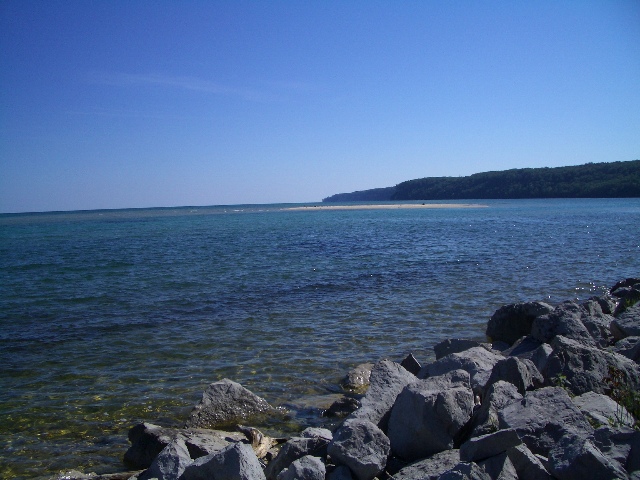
point(387, 206)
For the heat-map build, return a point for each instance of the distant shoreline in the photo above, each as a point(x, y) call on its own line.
point(387, 206)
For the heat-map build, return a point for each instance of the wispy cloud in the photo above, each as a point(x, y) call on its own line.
point(177, 82)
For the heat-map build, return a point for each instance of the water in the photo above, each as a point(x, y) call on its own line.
point(109, 318)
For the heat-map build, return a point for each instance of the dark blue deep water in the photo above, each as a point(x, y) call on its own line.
point(108, 318)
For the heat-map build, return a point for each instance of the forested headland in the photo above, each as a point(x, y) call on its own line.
point(592, 180)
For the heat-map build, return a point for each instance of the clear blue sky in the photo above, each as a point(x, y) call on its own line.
point(110, 104)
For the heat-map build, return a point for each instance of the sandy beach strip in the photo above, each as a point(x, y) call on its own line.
point(387, 206)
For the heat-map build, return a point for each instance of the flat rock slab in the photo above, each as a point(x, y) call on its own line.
point(543, 417)
point(480, 448)
point(224, 403)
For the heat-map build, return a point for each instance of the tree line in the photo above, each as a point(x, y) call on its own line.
point(593, 180)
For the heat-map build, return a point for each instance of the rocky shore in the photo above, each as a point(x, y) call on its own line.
point(553, 393)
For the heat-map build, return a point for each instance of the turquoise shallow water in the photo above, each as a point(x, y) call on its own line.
point(109, 318)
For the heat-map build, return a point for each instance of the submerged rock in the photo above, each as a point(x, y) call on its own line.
point(226, 402)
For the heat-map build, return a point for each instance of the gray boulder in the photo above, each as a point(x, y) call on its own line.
point(361, 446)
point(148, 440)
point(224, 403)
point(527, 465)
point(499, 467)
point(169, 464)
point(430, 468)
point(499, 394)
point(565, 320)
point(601, 410)
point(627, 324)
point(543, 417)
point(480, 448)
point(357, 379)
point(454, 345)
point(477, 361)
point(576, 457)
point(540, 356)
point(582, 368)
point(386, 382)
point(521, 373)
point(292, 450)
point(466, 471)
point(511, 322)
point(305, 468)
point(428, 415)
point(621, 445)
point(628, 347)
point(235, 462)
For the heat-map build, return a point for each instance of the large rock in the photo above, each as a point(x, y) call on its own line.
point(521, 373)
point(499, 467)
point(602, 410)
point(621, 445)
point(305, 468)
point(576, 457)
point(295, 448)
point(499, 395)
point(543, 417)
point(361, 446)
point(582, 368)
point(169, 464)
point(386, 382)
point(565, 320)
point(430, 468)
point(477, 361)
point(454, 345)
point(511, 322)
point(628, 347)
point(465, 471)
point(480, 448)
point(627, 324)
point(428, 415)
point(411, 364)
point(148, 440)
point(235, 462)
point(224, 403)
point(528, 466)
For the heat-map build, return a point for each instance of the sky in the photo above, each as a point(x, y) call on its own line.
point(121, 104)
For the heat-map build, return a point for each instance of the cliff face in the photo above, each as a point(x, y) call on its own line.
point(593, 180)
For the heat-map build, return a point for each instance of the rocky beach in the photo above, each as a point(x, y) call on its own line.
point(554, 392)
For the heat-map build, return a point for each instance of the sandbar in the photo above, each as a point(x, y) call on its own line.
point(387, 206)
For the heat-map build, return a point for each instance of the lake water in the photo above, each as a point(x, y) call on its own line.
point(109, 318)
